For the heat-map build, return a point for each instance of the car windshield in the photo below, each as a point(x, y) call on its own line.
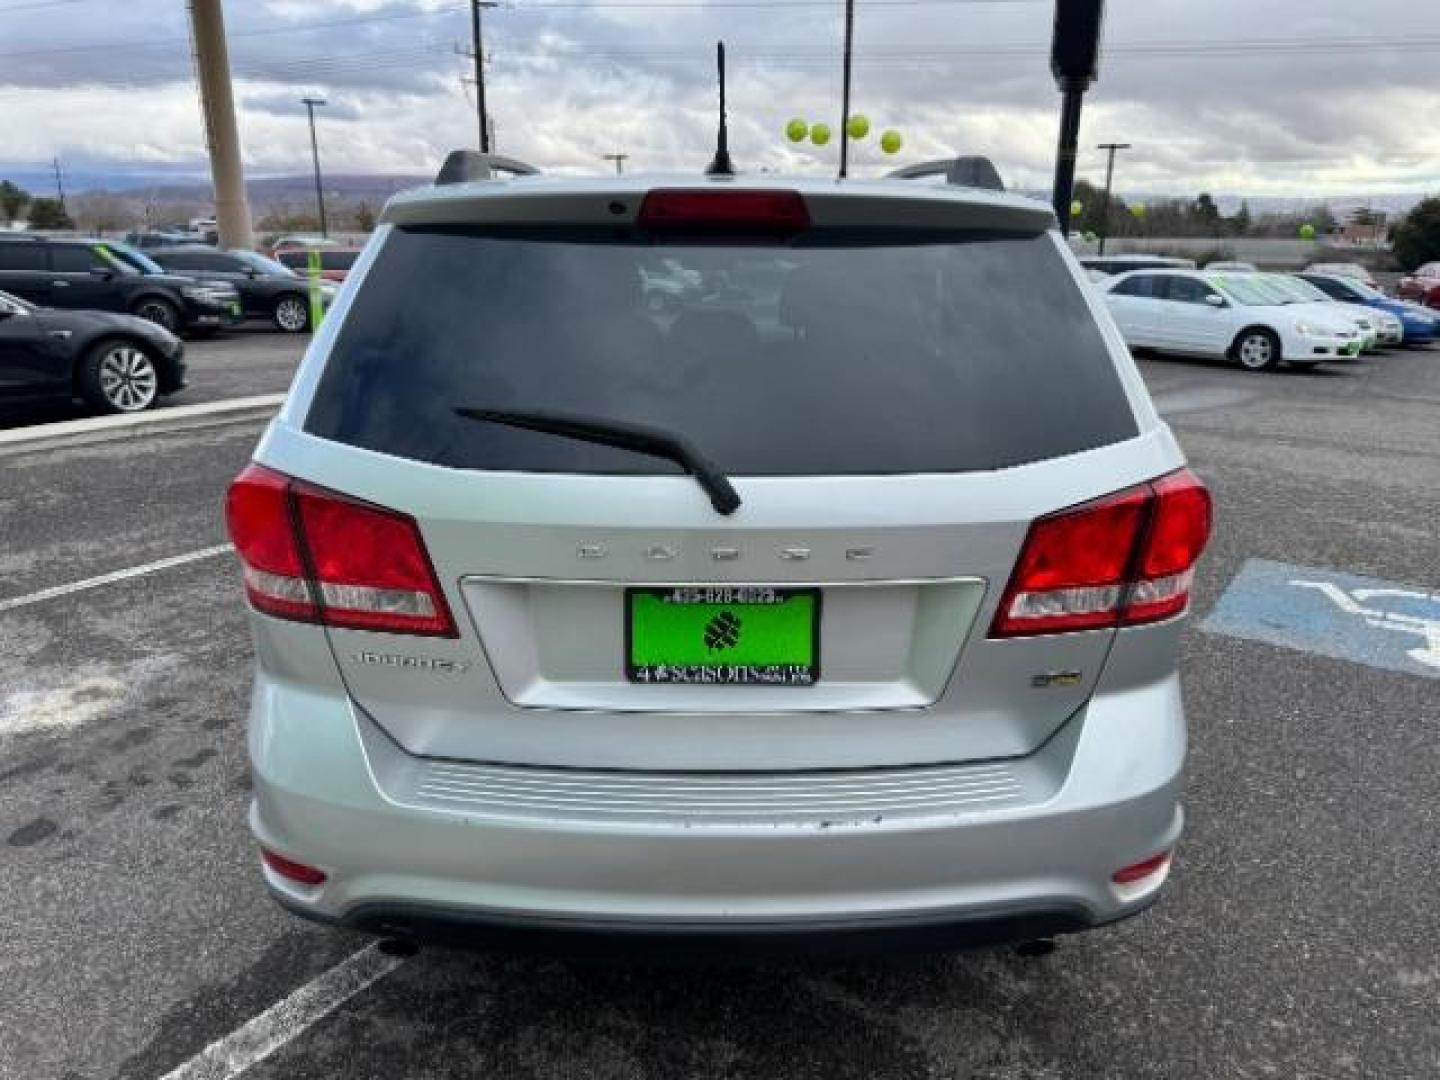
point(1298, 288)
point(16, 302)
point(1248, 290)
point(256, 261)
point(135, 261)
point(836, 354)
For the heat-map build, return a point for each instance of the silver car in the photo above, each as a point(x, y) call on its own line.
point(838, 594)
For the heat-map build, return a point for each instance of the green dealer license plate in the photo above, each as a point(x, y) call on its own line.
point(737, 635)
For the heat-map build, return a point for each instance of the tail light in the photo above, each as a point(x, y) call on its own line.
point(726, 211)
point(313, 555)
point(1135, 872)
point(1122, 560)
point(294, 871)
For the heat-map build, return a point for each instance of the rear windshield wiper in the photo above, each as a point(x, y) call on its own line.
point(636, 437)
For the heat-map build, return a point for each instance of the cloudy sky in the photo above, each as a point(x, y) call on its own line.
point(1277, 97)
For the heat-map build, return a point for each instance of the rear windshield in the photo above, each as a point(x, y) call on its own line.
point(831, 355)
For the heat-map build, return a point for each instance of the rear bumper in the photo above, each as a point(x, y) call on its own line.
point(939, 868)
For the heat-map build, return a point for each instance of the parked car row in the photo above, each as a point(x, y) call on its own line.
point(1258, 320)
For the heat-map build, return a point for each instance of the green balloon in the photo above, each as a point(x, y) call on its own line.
point(858, 127)
point(891, 142)
point(796, 130)
point(1138, 210)
point(1077, 208)
point(820, 134)
point(1307, 232)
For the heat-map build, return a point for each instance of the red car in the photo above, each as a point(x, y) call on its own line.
point(335, 262)
point(1423, 286)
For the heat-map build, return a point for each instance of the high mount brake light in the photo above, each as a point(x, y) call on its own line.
point(313, 555)
point(1122, 560)
point(706, 211)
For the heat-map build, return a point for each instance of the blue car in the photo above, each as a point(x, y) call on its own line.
point(1421, 325)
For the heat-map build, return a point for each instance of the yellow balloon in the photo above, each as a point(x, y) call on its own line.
point(1077, 208)
point(796, 130)
point(820, 134)
point(891, 142)
point(858, 127)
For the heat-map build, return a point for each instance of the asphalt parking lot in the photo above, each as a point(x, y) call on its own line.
point(1298, 938)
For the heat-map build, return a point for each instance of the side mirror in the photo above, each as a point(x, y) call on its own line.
point(1215, 300)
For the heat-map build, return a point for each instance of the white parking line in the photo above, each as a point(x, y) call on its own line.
point(112, 577)
point(277, 1025)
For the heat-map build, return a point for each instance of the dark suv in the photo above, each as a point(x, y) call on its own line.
point(268, 289)
point(99, 276)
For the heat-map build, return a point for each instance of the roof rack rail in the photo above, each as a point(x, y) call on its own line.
point(973, 171)
point(462, 166)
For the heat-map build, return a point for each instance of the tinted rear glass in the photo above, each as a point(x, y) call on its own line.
point(832, 355)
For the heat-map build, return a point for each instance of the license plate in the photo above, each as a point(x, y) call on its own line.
point(726, 635)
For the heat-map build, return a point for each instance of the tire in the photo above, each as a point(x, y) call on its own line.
point(158, 310)
point(291, 314)
point(119, 377)
point(1256, 349)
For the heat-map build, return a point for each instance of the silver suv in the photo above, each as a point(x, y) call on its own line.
point(717, 556)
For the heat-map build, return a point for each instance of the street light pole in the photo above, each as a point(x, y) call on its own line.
point(310, 104)
point(845, 91)
point(1111, 148)
point(619, 160)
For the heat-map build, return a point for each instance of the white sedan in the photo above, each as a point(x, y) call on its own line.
point(1227, 315)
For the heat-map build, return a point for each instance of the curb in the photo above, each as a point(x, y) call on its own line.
point(102, 429)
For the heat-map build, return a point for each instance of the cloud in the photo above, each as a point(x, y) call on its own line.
point(1229, 95)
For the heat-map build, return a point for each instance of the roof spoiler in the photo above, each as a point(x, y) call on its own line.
point(971, 172)
point(463, 166)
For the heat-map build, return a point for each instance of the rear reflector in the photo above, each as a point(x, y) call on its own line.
point(318, 556)
point(292, 870)
point(724, 211)
point(1129, 875)
point(1121, 560)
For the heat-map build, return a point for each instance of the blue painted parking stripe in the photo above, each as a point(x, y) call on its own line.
point(1382, 624)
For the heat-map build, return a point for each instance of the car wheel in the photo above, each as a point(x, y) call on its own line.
point(1257, 350)
point(292, 314)
point(119, 377)
point(158, 310)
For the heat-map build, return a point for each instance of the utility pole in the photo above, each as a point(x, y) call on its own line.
point(845, 91)
point(1111, 148)
point(477, 50)
point(310, 104)
point(1074, 61)
point(59, 183)
point(618, 159)
point(222, 136)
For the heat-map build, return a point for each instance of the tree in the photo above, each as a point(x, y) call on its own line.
point(13, 200)
point(49, 214)
point(1207, 215)
point(364, 216)
point(100, 212)
point(1240, 224)
point(1416, 236)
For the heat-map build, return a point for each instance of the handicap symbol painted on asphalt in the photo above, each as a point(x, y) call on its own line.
point(1384, 624)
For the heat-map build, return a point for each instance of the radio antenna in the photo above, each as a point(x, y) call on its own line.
point(721, 165)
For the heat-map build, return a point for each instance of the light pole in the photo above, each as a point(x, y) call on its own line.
point(618, 159)
point(310, 104)
point(845, 89)
point(1111, 148)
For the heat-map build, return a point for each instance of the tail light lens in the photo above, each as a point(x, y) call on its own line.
point(317, 556)
point(728, 211)
point(1122, 560)
point(294, 871)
